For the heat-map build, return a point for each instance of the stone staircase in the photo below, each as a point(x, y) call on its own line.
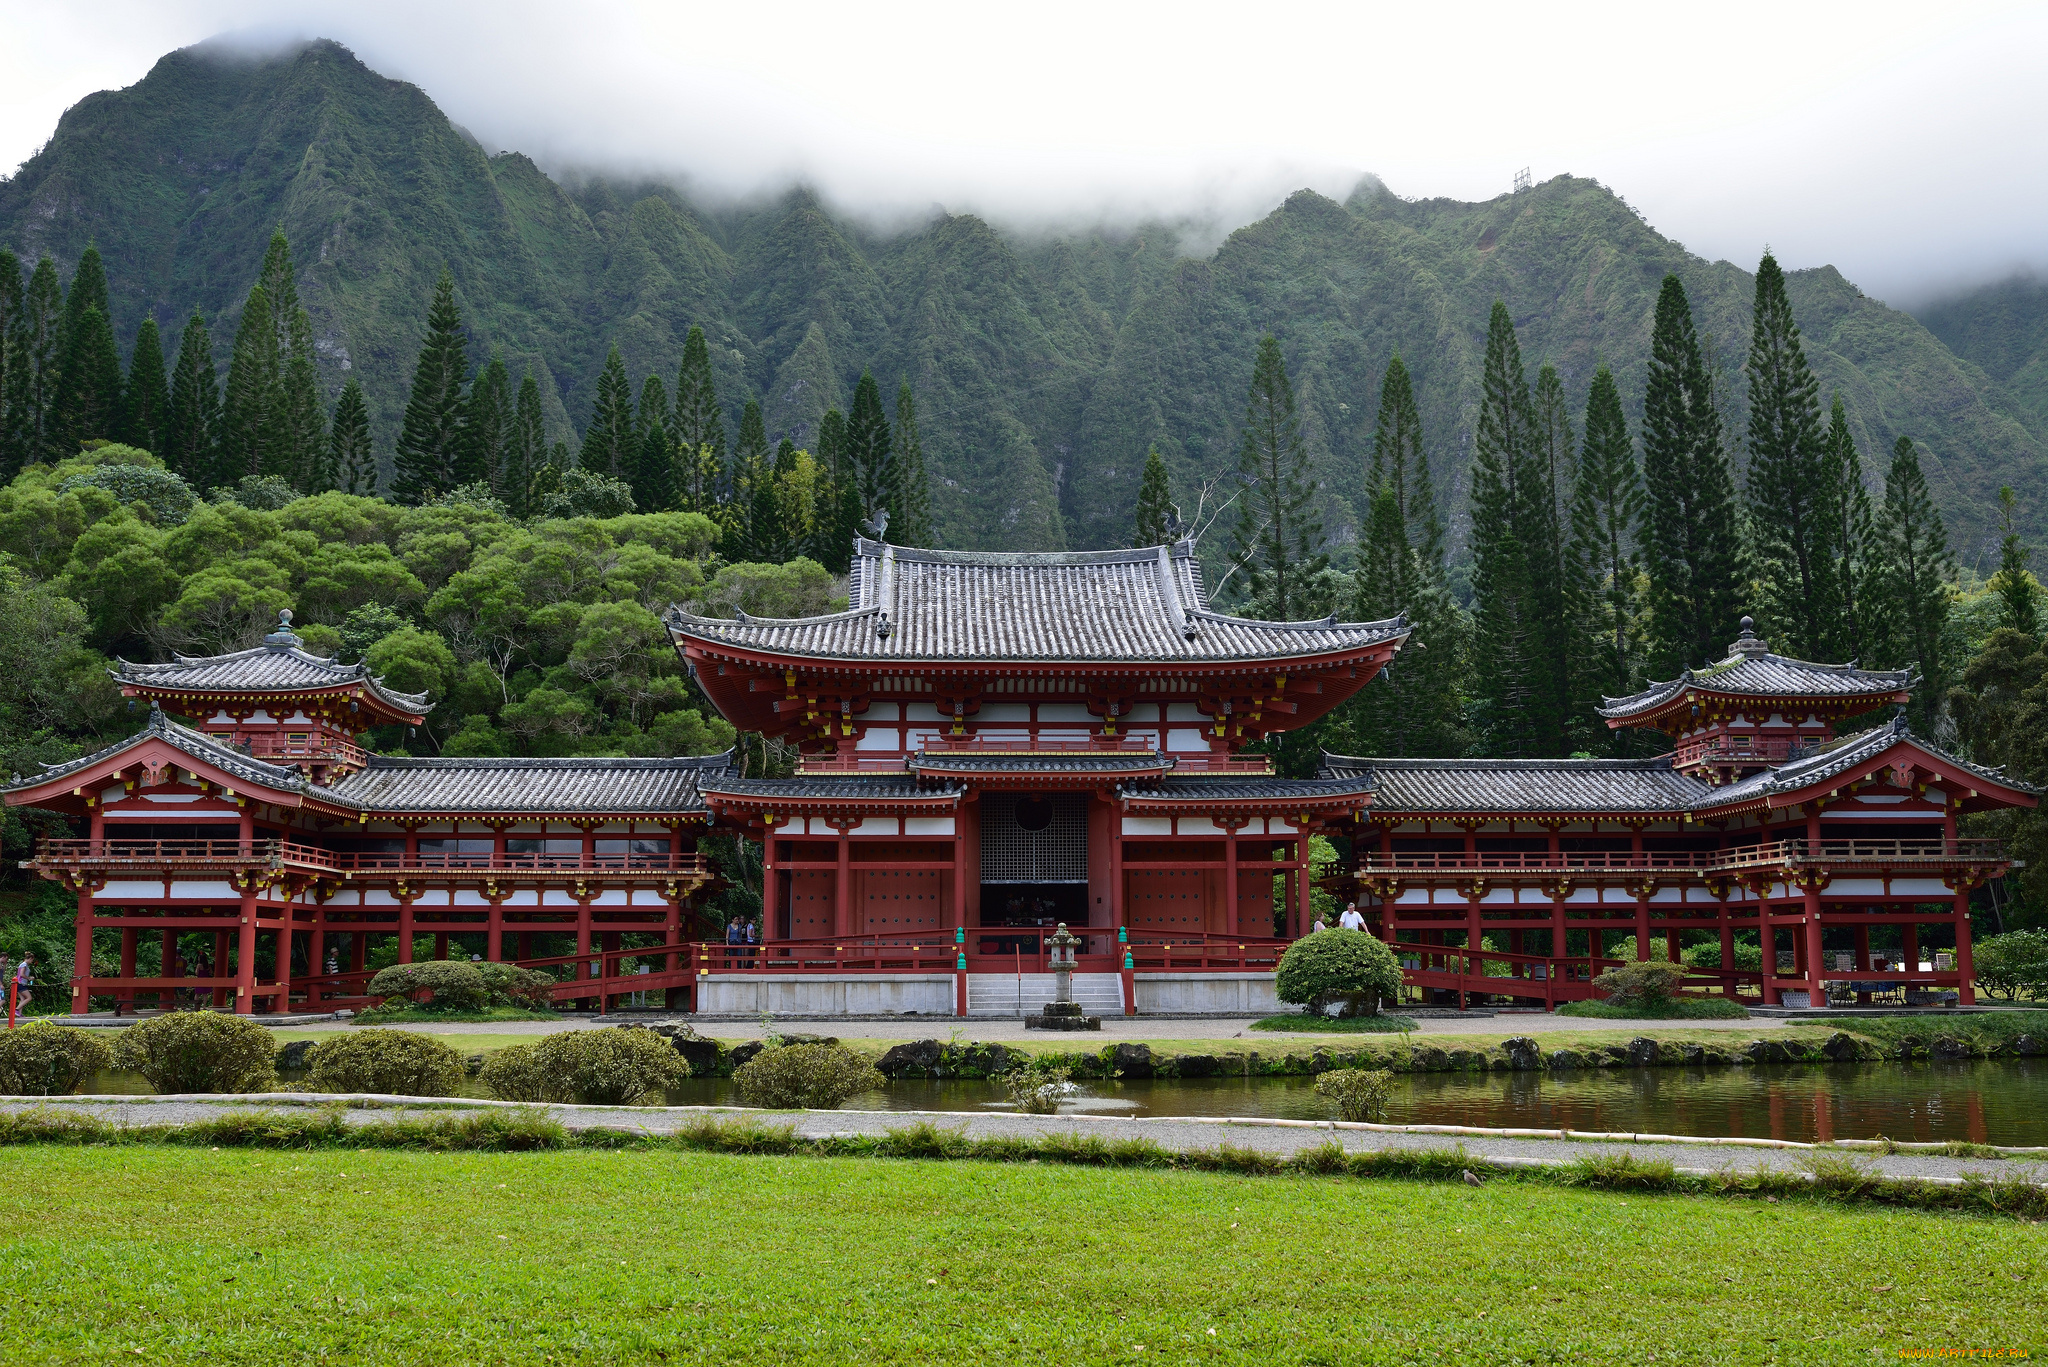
point(1000, 994)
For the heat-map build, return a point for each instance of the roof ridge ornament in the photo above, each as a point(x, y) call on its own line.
point(283, 638)
point(1749, 645)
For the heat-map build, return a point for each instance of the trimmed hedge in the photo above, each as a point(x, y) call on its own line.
point(399, 1062)
point(1337, 963)
point(457, 984)
point(41, 1059)
point(200, 1051)
point(616, 1066)
point(806, 1076)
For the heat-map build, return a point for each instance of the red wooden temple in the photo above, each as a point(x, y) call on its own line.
point(989, 745)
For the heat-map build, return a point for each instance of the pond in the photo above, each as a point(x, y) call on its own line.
point(1987, 1101)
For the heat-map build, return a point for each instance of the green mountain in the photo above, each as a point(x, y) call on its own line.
point(2002, 329)
point(1045, 365)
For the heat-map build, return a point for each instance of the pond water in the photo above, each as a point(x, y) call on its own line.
point(1987, 1101)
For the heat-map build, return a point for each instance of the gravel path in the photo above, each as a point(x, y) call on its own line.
point(1274, 1136)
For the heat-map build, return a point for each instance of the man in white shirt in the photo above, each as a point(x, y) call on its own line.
point(1351, 920)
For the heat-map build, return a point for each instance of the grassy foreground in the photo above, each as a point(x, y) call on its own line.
point(594, 1256)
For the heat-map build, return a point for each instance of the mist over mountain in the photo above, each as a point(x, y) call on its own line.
point(1046, 364)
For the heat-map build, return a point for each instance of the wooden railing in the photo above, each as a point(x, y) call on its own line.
point(113, 852)
point(1770, 854)
point(278, 747)
point(1762, 749)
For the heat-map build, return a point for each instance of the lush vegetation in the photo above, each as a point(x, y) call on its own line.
point(395, 1062)
point(1405, 1269)
point(1361, 1094)
point(811, 1076)
point(618, 1066)
point(1314, 1022)
point(42, 1059)
point(1665, 1008)
point(2013, 965)
point(1346, 969)
point(199, 1051)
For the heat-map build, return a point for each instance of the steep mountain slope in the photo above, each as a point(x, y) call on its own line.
point(2002, 329)
point(1044, 366)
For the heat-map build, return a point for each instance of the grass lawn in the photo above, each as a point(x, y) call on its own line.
point(1305, 1023)
point(1678, 1008)
point(268, 1257)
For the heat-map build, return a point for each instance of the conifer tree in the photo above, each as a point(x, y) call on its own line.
point(910, 501)
point(192, 428)
point(698, 430)
point(753, 481)
point(527, 449)
point(1516, 708)
point(2018, 608)
point(248, 429)
point(301, 422)
point(41, 360)
point(1156, 513)
point(1853, 533)
point(1791, 489)
point(13, 369)
point(89, 376)
point(608, 445)
point(868, 447)
point(486, 429)
point(1690, 538)
point(1608, 502)
point(428, 444)
point(1562, 588)
point(1277, 543)
point(1919, 569)
point(839, 510)
point(146, 400)
point(1398, 460)
point(350, 457)
point(768, 530)
point(654, 461)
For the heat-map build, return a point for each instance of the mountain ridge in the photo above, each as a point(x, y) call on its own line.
point(1046, 364)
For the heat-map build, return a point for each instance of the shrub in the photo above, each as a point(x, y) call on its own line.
point(1360, 1093)
point(1335, 963)
point(200, 1051)
point(511, 985)
point(1038, 1087)
point(394, 1061)
point(1650, 983)
point(457, 984)
point(170, 500)
point(1748, 957)
point(42, 1059)
point(2010, 964)
point(808, 1076)
point(618, 1066)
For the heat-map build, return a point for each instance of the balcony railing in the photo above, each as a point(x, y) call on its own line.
point(1761, 749)
point(284, 747)
point(1769, 854)
point(978, 747)
point(114, 853)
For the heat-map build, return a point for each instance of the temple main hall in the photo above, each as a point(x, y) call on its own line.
point(986, 746)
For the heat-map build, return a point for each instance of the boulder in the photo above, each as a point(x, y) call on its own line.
point(1132, 1060)
point(1430, 1059)
point(917, 1058)
point(473, 1065)
point(1693, 1054)
point(1194, 1065)
point(1949, 1047)
point(700, 1052)
point(1522, 1053)
point(2028, 1046)
point(1769, 1051)
point(1642, 1052)
point(1468, 1060)
point(742, 1055)
point(796, 1037)
point(293, 1056)
point(1841, 1048)
point(1567, 1058)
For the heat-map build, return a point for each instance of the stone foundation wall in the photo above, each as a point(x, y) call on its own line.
point(838, 994)
point(1206, 994)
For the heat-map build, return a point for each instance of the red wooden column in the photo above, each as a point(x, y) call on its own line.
point(405, 927)
point(245, 957)
point(494, 925)
point(1644, 888)
point(771, 895)
point(167, 968)
point(127, 994)
point(1233, 911)
point(1304, 884)
point(842, 884)
point(1816, 961)
point(81, 960)
point(1116, 868)
point(958, 920)
point(316, 962)
point(1966, 991)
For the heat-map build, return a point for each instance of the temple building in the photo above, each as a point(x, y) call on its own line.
point(986, 746)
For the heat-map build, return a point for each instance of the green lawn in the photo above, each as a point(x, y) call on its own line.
point(267, 1257)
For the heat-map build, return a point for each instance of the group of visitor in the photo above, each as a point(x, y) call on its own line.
point(1349, 920)
point(741, 939)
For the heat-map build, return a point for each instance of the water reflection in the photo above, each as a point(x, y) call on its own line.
point(2001, 1101)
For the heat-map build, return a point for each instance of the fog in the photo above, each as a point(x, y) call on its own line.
point(1901, 143)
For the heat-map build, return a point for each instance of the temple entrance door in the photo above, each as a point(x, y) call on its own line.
point(1034, 866)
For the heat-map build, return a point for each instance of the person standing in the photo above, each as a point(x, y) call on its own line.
point(24, 982)
point(1351, 920)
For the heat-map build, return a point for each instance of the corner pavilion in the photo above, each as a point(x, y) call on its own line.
point(991, 744)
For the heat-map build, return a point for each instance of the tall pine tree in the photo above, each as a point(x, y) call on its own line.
point(146, 399)
point(527, 451)
point(1510, 681)
point(608, 446)
point(487, 429)
point(192, 428)
point(1277, 543)
point(868, 447)
point(2018, 604)
point(839, 509)
point(1607, 503)
point(89, 377)
point(13, 368)
point(1691, 536)
point(654, 462)
point(430, 442)
point(1155, 513)
point(1914, 592)
point(351, 458)
point(1563, 590)
point(1791, 488)
point(249, 411)
point(41, 331)
point(1399, 461)
point(910, 499)
point(698, 430)
point(753, 487)
point(1853, 533)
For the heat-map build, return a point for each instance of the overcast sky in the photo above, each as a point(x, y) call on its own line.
point(1903, 143)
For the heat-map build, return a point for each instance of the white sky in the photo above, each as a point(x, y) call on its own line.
point(1904, 143)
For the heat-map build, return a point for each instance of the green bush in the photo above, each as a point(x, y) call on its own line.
point(511, 985)
point(1666, 1009)
point(2014, 963)
point(395, 1061)
point(1748, 957)
point(1648, 984)
point(806, 1076)
point(1335, 963)
point(41, 1059)
point(1038, 1087)
point(1360, 1093)
point(618, 1066)
point(457, 984)
point(200, 1051)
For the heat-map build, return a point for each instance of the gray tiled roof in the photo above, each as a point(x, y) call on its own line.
point(265, 669)
point(1764, 675)
point(1521, 785)
point(923, 606)
point(1108, 762)
point(201, 747)
point(830, 787)
point(1230, 788)
point(530, 785)
point(1839, 757)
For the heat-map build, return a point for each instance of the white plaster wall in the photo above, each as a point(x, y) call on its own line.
point(1183, 739)
point(1207, 994)
point(881, 738)
point(878, 825)
point(1148, 825)
point(928, 825)
point(838, 994)
point(1199, 825)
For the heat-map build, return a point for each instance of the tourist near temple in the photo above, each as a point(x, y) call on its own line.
point(989, 746)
